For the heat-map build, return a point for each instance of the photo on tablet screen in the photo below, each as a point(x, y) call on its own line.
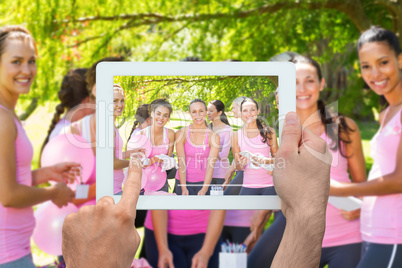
point(189, 122)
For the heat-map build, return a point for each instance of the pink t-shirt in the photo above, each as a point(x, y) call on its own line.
point(222, 164)
point(339, 231)
point(17, 224)
point(118, 175)
point(381, 216)
point(254, 176)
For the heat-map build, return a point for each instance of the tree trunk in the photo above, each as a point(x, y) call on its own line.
point(29, 110)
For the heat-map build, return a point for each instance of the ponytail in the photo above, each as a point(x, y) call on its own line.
point(220, 107)
point(55, 120)
point(141, 115)
point(265, 132)
point(337, 127)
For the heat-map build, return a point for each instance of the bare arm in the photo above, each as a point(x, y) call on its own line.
point(118, 163)
point(159, 222)
point(13, 194)
point(180, 138)
point(229, 175)
point(225, 140)
point(214, 141)
point(171, 137)
point(239, 161)
point(214, 229)
point(273, 143)
point(387, 184)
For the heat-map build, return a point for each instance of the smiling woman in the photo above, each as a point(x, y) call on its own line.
point(17, 196)
point(119, 156)
point(380, 59)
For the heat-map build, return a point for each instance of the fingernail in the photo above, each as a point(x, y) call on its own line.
point(291, 118)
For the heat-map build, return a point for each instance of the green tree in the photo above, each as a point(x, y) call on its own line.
point(74, 33)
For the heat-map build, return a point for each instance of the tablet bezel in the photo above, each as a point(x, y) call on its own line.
point(106, 71)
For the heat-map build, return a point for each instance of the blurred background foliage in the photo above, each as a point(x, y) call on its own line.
point(74, 34)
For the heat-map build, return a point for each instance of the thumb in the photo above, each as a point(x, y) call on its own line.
point(316, 146)
point(291, 135)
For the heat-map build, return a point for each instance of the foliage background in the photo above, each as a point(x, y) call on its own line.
point(74, 33)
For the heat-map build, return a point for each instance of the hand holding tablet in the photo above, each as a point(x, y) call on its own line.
point(104, 235)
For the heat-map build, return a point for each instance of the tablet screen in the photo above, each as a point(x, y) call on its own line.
point(180, 83)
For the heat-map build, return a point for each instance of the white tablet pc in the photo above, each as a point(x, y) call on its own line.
point(105, 75)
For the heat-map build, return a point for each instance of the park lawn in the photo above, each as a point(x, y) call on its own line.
point(38, 123)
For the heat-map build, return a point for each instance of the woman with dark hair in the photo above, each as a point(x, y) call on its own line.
point(380, 60)
point(256, 138)
point(72, 95)
point(233, 187)
point(162, 142)
point(142, 120)
point(220, 125)
point(342, 240)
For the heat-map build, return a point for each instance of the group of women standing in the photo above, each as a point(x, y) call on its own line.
point(186, 238)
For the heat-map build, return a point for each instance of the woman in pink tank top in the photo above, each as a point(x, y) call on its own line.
point(17, 196)
point(119, 156)
point(162, 141)
point(256, 138)
point(142, 120)
point(342, 241)
point(380, 59)
point(74, 102)
point(197, 151)
point(186, 237)
point(220, 124)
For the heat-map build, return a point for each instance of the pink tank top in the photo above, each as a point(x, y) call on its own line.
point(190, 222)
point(339, 231)
point(156, 150)
point(381, 216)
point(85, 132)
point(222, 164)
point(17, 224)
point(239, 218)
point(58, 128)
point(254, 176)
point(196, 158)
point(118, 174)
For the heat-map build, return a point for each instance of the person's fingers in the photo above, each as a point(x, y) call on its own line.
point(70, 165)
point(291, 135)
point(170, 263)
point(195, 262)
point(132, 188)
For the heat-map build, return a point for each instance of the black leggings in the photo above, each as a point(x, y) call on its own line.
point(183, 248)
point(263, 253)
point(345, 256)
point(381, 255)
point(235, 185)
